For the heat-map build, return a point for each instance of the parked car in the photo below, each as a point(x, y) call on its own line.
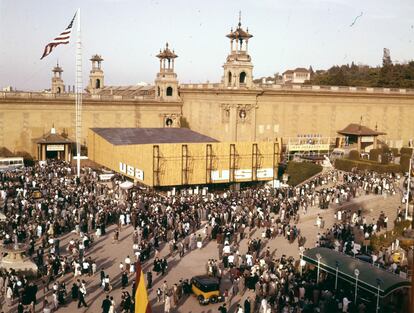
point(206, 289)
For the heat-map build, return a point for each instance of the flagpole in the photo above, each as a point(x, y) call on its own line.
point(78, 96)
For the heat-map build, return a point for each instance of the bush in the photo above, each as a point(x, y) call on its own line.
point(347, 165)
point(385, 157)
point(354, 155)
point(408, 151)
point(301, 171)
point(395, 152)
point(385, 148)
point(405, 162)
point(373, 154)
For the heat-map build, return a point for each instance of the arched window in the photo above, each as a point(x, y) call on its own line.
point(168, 122)
point(242, 78)
point(169, 91)
point(58, 90)
point(158, 91)
point(98, 84)
point(229, 74)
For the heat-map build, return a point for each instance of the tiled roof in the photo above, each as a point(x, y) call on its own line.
point(53, 138)
point(96, 57)
point(166, 53)
point(359, 130)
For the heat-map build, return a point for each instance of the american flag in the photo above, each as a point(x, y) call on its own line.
point(62, 39)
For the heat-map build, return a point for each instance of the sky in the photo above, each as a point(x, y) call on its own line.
point(129, 33)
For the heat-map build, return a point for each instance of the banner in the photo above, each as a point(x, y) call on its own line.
point(309, 147)
point(55, 147)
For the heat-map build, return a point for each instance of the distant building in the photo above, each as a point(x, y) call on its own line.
point(296, 76)
point(8, 88)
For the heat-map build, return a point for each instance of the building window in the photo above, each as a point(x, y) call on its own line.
point(229, 74)
point(169, 91)
point(98, 84)
point(168, 122)
point(242, 114)
point(158, 91)
point(242, 78)
point(58, 90)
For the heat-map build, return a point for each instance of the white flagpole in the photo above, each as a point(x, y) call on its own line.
point(79, 90)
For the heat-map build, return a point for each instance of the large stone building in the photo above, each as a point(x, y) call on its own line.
point(234, 109)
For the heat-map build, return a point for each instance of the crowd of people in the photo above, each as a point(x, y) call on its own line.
point(42, 203)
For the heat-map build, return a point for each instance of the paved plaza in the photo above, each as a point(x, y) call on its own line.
point(108, 256)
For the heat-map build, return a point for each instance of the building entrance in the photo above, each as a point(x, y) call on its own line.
point(51, 154)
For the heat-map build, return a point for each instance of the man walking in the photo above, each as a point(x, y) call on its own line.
point(149, 279)
point(247, 305)
point(106, 305)
point(82, 294)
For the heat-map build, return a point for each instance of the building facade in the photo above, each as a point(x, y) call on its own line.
point(297, 76)
point(233, 110)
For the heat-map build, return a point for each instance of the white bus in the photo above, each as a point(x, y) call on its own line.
point(11, 163)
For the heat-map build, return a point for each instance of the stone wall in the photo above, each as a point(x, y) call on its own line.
point(276, 111)
point(24, 118)
point(262, 113)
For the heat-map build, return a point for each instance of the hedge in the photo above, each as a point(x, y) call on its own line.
point(354, 155)
point(395, 152)
point(301, 171)
point(347, 165)
point(385, 148)
point(408, 151)
point(405, 162)
point(385, 157)
point(373, 154)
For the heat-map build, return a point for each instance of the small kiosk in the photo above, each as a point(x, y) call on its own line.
point(54, 146)
point(360, 135)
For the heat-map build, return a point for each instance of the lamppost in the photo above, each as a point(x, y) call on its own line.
point(319, 257)
point(379, 281)
point(301, 262)
point(356, 272)
point(336, 275)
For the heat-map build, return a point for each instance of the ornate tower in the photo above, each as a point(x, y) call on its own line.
point(96, 75)
point(166, 83)
point(238, 67)
point(57, 81)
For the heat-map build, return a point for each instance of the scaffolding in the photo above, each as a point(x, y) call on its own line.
point(156, 165)
point(232, 162)
point(184, 165)
point(255, 161)
point(209, 163)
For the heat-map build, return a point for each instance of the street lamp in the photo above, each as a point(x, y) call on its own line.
point(319, 257)
point(379, 281)
point(336, 275)
point(301, 262)
point(356, 272)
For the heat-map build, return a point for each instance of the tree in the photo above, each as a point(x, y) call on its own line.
point(389, 76)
